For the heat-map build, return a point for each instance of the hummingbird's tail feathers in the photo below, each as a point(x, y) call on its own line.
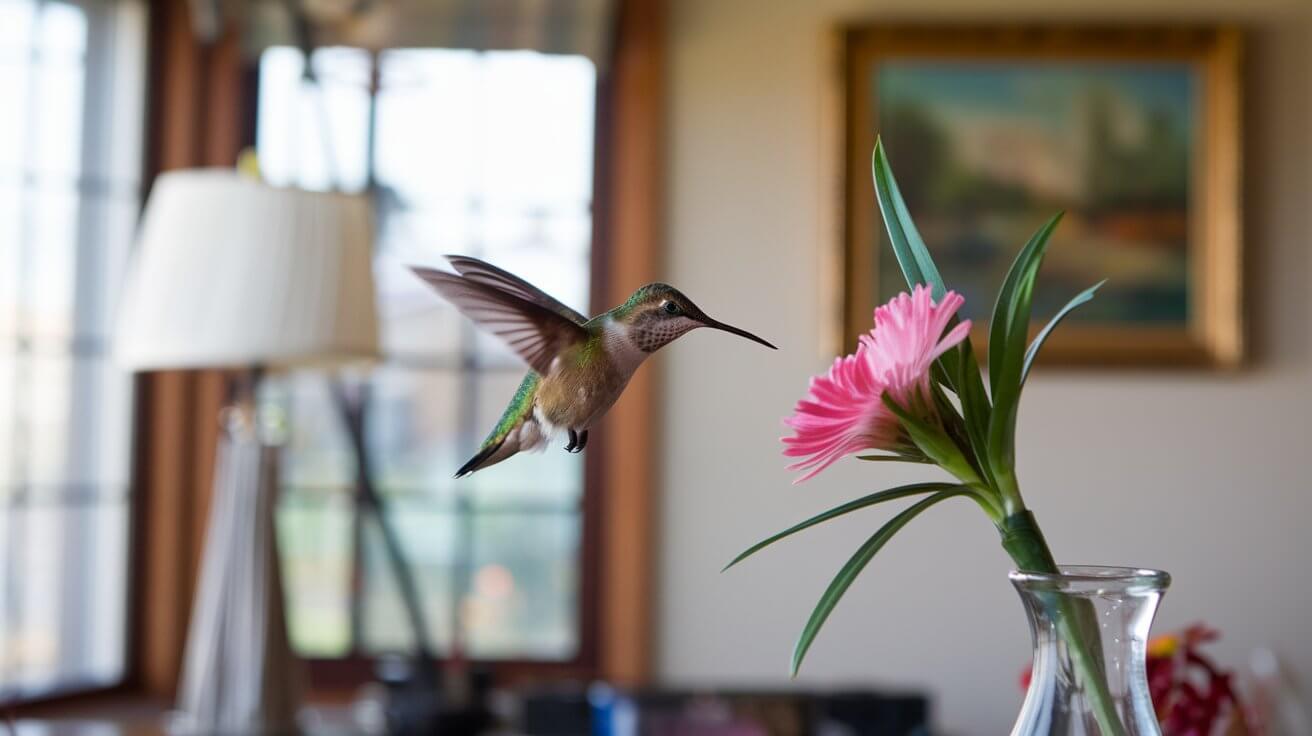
point(528, 435)
point(482, 459)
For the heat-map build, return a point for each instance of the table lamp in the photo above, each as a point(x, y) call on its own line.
point(230, 272)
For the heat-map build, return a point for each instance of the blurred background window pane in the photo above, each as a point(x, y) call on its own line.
point(71, 76)
point(488, 154)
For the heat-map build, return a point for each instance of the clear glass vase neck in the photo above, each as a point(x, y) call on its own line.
point(1090, 634)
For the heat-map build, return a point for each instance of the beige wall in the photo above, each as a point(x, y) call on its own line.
point(1202, 475)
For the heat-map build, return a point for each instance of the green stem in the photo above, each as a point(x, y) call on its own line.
point(1023, 540)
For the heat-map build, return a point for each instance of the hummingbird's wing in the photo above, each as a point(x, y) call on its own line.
point(485, 273)
point(535, 332)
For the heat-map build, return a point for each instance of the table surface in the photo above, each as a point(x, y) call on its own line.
point(147, 719)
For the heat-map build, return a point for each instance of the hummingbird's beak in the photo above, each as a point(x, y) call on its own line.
point(736, 331)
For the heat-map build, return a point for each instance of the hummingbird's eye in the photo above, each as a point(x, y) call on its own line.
point(671, 308)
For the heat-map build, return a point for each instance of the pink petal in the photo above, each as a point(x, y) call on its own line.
point(843, 413)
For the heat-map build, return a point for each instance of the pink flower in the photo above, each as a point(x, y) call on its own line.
point(843, 413)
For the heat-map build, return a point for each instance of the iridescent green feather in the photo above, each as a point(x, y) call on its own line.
point(520, 406)
point(640, 296)
point(592, 349)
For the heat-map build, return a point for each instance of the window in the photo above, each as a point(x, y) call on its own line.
point(488, 154)
point(71, 77)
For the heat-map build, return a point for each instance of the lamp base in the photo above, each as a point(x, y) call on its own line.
point(240, 675)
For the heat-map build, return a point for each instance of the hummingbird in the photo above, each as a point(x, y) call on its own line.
point(579, 366)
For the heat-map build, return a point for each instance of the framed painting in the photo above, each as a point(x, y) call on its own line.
point(1133, 132)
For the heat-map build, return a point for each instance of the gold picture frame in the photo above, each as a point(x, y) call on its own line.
point(1195, 313)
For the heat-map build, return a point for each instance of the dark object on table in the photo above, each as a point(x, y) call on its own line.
point(604, 711)
point(556, 711)
point(868, 714)
point(419, 703)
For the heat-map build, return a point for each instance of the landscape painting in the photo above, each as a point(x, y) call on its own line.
point(987, 147)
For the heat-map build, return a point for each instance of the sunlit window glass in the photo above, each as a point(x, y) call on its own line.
point(71, 76)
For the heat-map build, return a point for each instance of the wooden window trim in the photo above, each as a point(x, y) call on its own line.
point(201, 113)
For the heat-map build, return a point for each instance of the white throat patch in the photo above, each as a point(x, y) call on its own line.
point(620, 345)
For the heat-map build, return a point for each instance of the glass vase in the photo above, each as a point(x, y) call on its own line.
point(1090, 631)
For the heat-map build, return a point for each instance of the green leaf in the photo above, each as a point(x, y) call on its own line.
point(1005, 310)
point(912, 255)
point(933, 441)
point(891, 494)
point(1033, 352)
point(843, 580)
point(1008, 333)
point(975, 407)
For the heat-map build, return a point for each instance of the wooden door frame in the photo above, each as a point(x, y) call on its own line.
point(630, 227)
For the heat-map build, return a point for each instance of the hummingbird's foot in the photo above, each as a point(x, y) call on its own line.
point(583, 441)
point(573, 441)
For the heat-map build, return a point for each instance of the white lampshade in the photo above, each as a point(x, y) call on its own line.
point(231, 272)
